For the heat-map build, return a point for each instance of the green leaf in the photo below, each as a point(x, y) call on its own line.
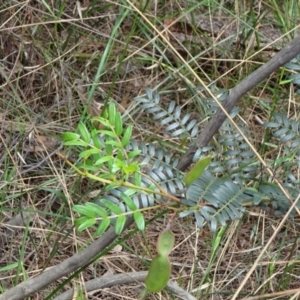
point(88, 223)
point(120, 162)
point(112, 206)
point(103, 160)
point(9, 267)
point(110, 165)
point(137, 179)
point(139, 220)
point(159, 274)
point(85, 134)
point(100, 211)
point(104, 115)
point(105, 175)
point(271, 145)
point(84, 210)
point(101, 120)
point(80, 220)
point(131, 168)
point(103, 226)
point(118, 124)
point(115, 168)
point(88, 153)
point(197, 170)
point(86, 166)
point(271, 125)
point(127, 136)
point(109, 133)
point(112, 114)
point(96, 140)
point(143, 293)
point(70, 136)
point(130, 191)
point(76, 143)
point(109, 149)
point(133, 154)
point(165, 243)
point(129, 202)
point(120, 224)
point(120, 155)
point(114, 143)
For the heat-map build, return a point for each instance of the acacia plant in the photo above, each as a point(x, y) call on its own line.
point(135, 176)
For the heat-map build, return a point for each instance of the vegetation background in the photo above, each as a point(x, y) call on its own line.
point(60, 61)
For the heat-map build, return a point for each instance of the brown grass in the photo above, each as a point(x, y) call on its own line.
point(42, 61)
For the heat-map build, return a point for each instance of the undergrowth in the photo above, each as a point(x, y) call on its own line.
point(66, 63)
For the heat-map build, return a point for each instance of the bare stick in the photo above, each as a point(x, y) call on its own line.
point(126, 278)
point(285, 55)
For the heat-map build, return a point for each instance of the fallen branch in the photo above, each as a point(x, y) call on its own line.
point(35, 284)
point(290, 51)
point(126, 278)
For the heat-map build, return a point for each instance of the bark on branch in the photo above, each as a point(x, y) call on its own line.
point(284, 56)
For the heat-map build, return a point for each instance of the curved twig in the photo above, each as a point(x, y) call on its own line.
point(127, 278)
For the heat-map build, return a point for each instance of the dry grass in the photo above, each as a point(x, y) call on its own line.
point(49, 57)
